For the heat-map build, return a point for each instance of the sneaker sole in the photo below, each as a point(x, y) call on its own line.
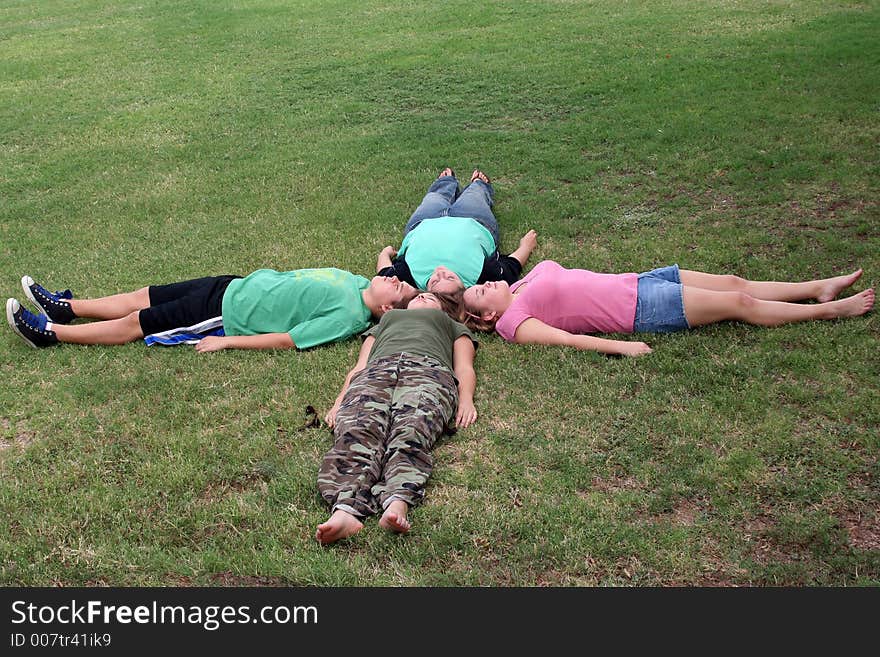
point(26, 282)
point(11, 307)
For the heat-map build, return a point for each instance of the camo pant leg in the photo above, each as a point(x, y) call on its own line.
point(422, 407)
point(354, 463)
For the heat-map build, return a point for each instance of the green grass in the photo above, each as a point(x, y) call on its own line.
point(156, 141)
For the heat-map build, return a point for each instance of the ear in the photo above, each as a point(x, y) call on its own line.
point(489, 315)
point(385, 307)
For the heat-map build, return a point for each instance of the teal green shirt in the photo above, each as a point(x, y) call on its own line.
point(459, 243)
point(313, 306)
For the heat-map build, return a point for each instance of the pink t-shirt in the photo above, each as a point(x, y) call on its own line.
point(574, 300)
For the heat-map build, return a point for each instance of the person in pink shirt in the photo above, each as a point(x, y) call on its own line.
point(558, 306)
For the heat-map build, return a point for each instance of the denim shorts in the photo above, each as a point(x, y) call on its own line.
point(660, 304)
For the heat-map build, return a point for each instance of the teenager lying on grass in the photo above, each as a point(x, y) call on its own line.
point(557, 306)
point(451, 241)
point(413, 380)
point(265, 310)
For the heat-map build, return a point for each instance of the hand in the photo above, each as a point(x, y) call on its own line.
point(211, 343)
point(389, 251)
point(634, 349)
point(466, 415)
point(529, 241)
point(330, 418)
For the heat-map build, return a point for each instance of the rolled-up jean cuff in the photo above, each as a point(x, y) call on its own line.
point(390, 499)
point(348, 509)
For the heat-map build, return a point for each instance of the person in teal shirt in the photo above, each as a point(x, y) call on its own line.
point(265, 310)
point(451, 241)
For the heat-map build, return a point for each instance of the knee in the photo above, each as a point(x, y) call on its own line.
point(734, 282)
point(744, 301)
point(132, 324)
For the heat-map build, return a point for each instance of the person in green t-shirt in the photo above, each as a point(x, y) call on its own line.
point(451, 241)
point(413, 380)
point(265, 310)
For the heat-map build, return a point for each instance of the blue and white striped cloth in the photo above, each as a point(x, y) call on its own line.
point(187, 334)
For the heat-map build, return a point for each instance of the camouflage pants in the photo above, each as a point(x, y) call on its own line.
point(394, 411)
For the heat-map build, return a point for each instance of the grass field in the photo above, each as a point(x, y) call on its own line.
point(149, 142)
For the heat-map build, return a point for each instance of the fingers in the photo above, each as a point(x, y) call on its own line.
point(466, 417)
point(640, 349)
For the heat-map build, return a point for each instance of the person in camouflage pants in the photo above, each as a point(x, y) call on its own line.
point(392, 410)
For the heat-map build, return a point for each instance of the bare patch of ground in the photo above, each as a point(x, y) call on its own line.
point(863, 529)
point(14, 436)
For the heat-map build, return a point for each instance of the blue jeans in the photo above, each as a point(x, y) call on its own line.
point(444, 200)
point(660, 302)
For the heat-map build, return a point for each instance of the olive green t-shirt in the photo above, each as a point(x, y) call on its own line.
point(313, 306)
point(420, 331)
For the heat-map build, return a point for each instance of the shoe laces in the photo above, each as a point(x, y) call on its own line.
point(57, 295)
point(37, 322)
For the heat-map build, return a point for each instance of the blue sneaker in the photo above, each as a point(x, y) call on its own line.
point(32, 328)
point(56, 305)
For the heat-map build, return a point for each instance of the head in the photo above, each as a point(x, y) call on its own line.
point(449, 304)
point(425, 300)
point(484, 304)
point(387, 292)
point(444, 280)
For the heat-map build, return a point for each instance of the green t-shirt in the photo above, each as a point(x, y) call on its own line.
point(313, 306)
point(459, 243)
point(420, 331)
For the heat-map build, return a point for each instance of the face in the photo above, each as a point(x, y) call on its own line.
point(491, 297)
point(425, 300)
point(391, 291)
point(444, 280)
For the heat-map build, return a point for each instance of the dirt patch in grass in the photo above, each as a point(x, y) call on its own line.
point(230, 579)
point(863, 529)
point(827, 206)
point(220, 490)
point(616, 484)
point(14, 436)
point(685, 513)
point(765, 550)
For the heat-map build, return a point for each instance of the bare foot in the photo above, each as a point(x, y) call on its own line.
point(854, 306)
point(831, 287)
point(479, 175)
point(394, 518)
point(340, 525)
point(447, 172)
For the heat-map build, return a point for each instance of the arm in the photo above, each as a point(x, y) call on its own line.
point(262, 341)
point(400, 269)
point(535, 331)
point(463, 352)
point(364, 354)
point(527, 244)
point(499, 267)
point(385, 256)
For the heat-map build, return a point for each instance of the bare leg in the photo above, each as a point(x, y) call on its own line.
point(340, 525)
point(394, 518)
point(111, 331)
point(112, 307)
point(709, 306)
point(824, 289)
